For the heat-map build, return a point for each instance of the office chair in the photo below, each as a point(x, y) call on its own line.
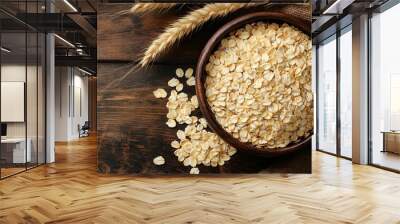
point(84, 130)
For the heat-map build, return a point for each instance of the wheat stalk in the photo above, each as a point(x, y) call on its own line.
point(187, 24)
point(141, 8)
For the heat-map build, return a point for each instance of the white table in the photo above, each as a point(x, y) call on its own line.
point(19, 153)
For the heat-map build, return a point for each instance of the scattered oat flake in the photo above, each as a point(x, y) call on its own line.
point(181, 134)
point(189, 72)
point(194, 171)
point(159, 160)
point(179, 72)
point(175, 144)
point(179, 87)
point(191, 81)
point(160, 93)
point(173, 82)
point(171, 123)
point(195, 145)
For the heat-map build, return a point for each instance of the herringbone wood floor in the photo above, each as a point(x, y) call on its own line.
point(70, 191)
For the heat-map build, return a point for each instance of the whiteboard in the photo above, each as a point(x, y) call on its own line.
point(12, 101)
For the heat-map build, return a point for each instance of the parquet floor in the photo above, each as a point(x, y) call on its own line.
point(10, 171)
point(71, 191)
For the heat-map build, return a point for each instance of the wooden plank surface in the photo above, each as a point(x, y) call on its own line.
point(131, 122)
point(124, 37)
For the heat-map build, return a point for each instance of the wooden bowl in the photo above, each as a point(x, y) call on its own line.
point(201, 74)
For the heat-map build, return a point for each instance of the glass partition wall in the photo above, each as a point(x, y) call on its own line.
point(326, 127)
point(22, 88)
point(385, 89)
point(383, 92)
point(345, 91)
point(334, 93)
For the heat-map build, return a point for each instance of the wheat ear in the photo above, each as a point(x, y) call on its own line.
point(141, 8)
point(185, 25)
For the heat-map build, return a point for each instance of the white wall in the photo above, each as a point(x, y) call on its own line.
point(16, 73)
point(12, 73)
point(71, 102)
point(62, 81)
point(80, 104)
point(33, 127)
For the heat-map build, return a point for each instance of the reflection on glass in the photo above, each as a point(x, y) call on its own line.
point(41, 98)
point(22, 90)
point(31, 100)
point(14, 153)
point(314, 76)
point(385, 84)
point(346, 94)
point(327, 96)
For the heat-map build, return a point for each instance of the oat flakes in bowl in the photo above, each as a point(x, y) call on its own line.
point(254, 83)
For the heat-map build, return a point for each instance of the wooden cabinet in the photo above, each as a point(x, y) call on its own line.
point(391, 142)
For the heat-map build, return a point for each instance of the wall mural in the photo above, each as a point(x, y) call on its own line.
point(204, 88)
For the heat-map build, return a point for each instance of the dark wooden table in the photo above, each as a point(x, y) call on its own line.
point(131, 122)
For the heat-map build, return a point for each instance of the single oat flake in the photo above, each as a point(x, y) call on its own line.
point(159, 160)
point(160, 93)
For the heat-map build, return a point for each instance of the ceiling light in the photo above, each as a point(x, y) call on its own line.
point(80, 51)
point(65, 41)
point(337, 7)
point(84, 71)
point(70, 5)
point(5, 50)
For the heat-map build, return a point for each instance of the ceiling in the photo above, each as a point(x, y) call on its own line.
point(16, 43)
point(332, 15)
point(74, 21)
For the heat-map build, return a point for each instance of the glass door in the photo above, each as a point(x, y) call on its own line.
point(326, 105)
point(385, 90)
point(334, 94)
point(345, 42)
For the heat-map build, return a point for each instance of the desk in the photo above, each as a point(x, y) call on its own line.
point(391, 141)
point(13, 150)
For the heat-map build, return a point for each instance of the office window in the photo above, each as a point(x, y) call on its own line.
point(385, 89)
point(346, 92)
point(327, 96)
